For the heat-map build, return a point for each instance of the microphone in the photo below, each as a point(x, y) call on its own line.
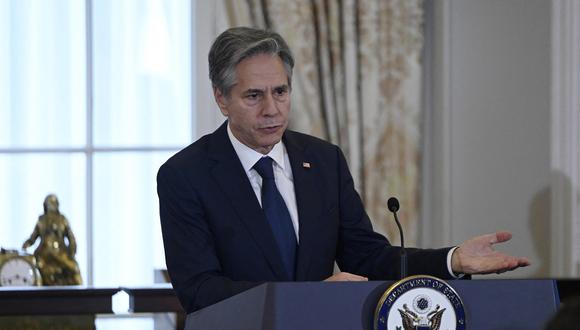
point(393, 205)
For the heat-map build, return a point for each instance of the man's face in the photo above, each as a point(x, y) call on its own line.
point(258, 105)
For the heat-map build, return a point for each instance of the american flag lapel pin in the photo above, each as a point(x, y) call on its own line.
point(306, 164)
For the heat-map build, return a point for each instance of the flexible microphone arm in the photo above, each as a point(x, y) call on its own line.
point(393, 205)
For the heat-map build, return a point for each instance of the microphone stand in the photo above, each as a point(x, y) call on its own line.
point(393, 205)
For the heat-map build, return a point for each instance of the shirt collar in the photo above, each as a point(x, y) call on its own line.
point(248, 156)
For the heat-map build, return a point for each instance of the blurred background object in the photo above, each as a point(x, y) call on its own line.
point(18, 269)
point(55, 255)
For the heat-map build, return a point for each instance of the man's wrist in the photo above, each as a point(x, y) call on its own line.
point(450, 265)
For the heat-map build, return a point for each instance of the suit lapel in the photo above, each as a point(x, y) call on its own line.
point(308, 201)
point(233, 181)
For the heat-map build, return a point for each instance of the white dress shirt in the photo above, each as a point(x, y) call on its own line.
point(282, 174)
point(284, 180)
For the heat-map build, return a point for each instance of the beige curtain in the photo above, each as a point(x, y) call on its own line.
point(357, 84)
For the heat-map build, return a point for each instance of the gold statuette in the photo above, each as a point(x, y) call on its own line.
point(55, 255)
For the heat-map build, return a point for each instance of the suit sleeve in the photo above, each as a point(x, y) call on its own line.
point(192, 263)
point(362, 251)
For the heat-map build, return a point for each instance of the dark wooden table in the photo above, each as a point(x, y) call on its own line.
point(53, 307)
point(54, 300)
point(156, 298)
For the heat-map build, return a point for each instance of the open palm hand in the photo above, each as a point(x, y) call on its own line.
point(477, 256)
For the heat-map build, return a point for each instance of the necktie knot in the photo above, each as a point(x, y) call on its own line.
point(264, 168)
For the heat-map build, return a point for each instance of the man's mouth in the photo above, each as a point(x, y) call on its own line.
point(272, 128)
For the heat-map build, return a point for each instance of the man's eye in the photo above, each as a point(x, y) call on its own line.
point(252, 96)
point(280, 92)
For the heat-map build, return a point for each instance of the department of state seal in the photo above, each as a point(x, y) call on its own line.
point(420, 303)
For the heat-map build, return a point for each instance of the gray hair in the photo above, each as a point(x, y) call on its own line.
point(236, 44)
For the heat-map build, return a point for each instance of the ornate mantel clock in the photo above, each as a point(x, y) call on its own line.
point(18, 269)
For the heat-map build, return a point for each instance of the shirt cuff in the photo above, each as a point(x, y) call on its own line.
point(449, 268)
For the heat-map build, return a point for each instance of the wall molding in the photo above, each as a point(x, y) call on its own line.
point(565, 153)
point(209, 21)
point(436, 221)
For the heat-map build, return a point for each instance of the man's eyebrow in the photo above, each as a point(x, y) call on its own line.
point(253, 90)
point(284, 87)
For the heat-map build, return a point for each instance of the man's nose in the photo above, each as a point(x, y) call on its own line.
point(269, 107)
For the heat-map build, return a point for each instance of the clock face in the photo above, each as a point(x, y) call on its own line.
point(17, 272)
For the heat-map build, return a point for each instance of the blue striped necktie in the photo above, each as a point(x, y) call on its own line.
point(277, 214)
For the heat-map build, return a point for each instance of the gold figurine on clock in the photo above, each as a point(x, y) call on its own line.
point(55, 255)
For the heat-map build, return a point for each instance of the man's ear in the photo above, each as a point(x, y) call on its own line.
point(221, 100)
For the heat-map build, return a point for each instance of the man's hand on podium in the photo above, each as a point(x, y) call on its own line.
point(344, 276)
point(476, 256)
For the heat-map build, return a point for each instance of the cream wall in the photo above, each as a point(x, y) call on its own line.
point(487, 155)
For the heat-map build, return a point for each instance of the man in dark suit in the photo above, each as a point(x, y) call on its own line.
point(254, 202)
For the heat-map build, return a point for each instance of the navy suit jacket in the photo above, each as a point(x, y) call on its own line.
point(218, 242)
